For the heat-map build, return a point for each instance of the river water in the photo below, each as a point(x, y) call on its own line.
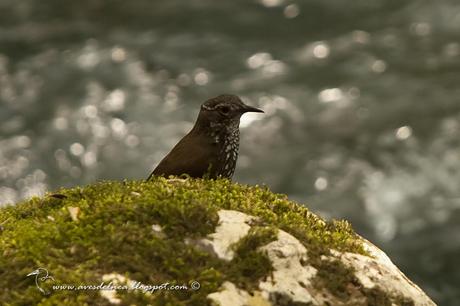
point(361, 100)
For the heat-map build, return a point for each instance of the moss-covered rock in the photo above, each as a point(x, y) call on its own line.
point(174, 242)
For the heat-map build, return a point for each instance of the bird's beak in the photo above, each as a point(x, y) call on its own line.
point(32, 273)
point(247, 109)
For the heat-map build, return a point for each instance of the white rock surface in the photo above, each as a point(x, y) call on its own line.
point(230, 295)
point(289, 277)
point(379, 272)
point(293, 278)
point(233, 225)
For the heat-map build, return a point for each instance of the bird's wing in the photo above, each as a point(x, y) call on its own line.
point(189, 156)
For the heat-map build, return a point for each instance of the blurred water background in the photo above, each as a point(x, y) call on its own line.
point(361, 97)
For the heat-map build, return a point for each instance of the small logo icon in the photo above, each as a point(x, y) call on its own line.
point(195, 285)
point(41, 275)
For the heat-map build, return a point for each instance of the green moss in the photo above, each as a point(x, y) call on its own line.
point(340, 280)
point(113, 234)
point(335, 277)
point(378, 297)
point(249, 265)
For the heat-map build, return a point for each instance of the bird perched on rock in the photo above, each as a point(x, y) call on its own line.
point(211, 148)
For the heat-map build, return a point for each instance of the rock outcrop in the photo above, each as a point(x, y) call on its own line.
point(188, 242)
point(373, 279)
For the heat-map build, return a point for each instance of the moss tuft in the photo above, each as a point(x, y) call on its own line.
point(341, 282)
point(250, 265)
point(378, 297)
point(112, 233)
point(335, 277)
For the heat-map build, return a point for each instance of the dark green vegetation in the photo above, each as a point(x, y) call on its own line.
point(112, 233)
point(340, 280)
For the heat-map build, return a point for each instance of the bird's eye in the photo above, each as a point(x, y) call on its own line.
point(224, 109)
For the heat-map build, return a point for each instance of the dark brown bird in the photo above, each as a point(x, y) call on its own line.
point(211, 147)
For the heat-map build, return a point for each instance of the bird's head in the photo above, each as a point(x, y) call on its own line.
point(35, 272)
point(224, 109)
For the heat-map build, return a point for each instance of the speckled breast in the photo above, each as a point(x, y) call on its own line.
point(228, 155)
point(227, 138)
